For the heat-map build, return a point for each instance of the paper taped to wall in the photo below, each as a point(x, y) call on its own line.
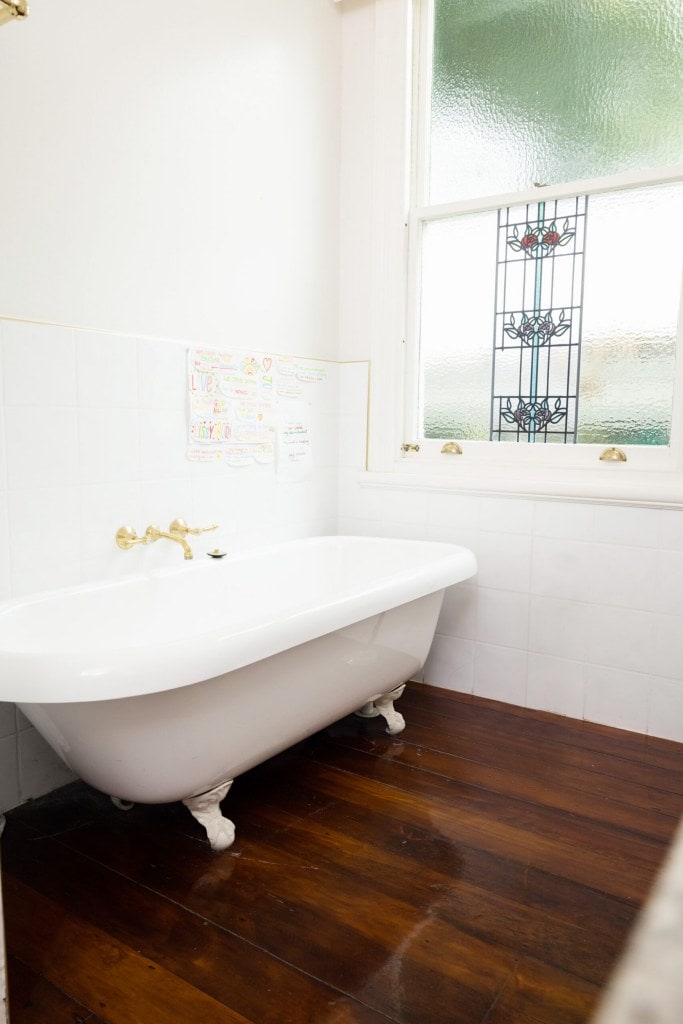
point(247, 407)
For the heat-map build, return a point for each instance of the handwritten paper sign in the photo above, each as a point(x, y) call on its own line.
point(247, 408)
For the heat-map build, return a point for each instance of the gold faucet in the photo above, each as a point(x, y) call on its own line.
point(126, 537)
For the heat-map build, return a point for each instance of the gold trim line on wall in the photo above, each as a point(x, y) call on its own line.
point(613, 455)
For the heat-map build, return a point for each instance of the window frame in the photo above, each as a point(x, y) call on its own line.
point(497, 465)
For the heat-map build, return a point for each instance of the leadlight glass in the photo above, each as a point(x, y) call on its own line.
point(537, 330)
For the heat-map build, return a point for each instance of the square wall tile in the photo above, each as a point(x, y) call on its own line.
point(45, 514)
point(621, 638)
point(634, 527)
point(40, 769)
point(665, 716)
point(356, 501)
point(671, 529)
point(500, 674)
point(162, 374)
point(107, 370)
point(667, 647)
point(457, 511)
point(564, 520)
point(506, 515)
point(45, 457)
point(617, 698)
point(502, 618)
point(163, 444)
point(557, 685)
point(356, 527)
point(40, 519)
point(32, 574)
point(353, 389)
point(558, 628)
point(39, 365)
point(450, 664)
point(175, 498)
point(504, 561)
point(670, 582)
point(108, 445)
point(622, 575)
point(106, 506)
point(404, 506)
point(352, 442)
point(459, 612)
point(561, 568)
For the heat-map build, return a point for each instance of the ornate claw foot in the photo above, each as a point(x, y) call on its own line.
point(206, 809)
point(385, 705)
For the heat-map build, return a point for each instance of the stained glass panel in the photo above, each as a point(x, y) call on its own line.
point(537, 330)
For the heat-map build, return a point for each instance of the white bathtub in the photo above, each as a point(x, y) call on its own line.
point(166, 686)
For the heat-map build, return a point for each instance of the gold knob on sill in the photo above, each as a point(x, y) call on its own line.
point(613, 455)
point(451, 448)
point(408, 447)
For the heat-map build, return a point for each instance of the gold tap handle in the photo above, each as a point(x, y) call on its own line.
point(180, 526)
point(126, 538)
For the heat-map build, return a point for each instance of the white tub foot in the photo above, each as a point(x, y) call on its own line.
point(123, 805)
point(206, 809)
point(385, 705)
point(368, 710)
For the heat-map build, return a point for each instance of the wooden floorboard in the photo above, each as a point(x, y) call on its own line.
point(484, 867)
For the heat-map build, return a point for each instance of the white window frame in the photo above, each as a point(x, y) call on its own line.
point(651, 476)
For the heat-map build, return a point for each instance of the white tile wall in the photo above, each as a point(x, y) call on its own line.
point(577, 607)
point(92, 436)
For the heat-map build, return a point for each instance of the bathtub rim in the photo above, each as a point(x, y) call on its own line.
point(66, 677)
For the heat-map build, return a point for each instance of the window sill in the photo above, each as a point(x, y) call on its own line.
point(608, 483)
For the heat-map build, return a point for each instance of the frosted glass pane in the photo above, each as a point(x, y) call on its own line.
point(548, 91)
point(631, 298)
point(458, 284)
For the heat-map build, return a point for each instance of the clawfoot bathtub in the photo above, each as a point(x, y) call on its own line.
point(167, 686)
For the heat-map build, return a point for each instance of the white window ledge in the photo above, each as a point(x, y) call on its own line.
point(608, 483)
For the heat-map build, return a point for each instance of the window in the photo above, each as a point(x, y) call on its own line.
point(547, 233)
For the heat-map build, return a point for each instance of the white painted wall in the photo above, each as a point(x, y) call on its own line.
point(171, 169)
point(171, 177)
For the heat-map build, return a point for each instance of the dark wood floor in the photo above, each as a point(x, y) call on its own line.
point(484, 866)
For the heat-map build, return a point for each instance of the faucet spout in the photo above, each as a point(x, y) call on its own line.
point(153, 533)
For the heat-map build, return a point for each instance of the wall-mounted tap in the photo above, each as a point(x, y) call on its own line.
point(180, 527)
point(126, 537)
